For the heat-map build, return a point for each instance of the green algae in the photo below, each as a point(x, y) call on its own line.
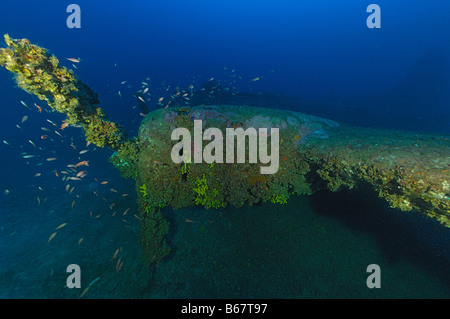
point(206, 196)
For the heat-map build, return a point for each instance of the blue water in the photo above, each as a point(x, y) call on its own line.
point(319, 54)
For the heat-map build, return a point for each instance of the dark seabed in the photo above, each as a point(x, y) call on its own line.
point(312, 247)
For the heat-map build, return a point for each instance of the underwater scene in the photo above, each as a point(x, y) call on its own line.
point(225, 149)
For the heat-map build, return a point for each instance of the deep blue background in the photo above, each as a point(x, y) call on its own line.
point(312, 47)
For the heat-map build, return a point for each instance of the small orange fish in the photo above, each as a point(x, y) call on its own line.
point(85, 163)
point(113, 190)
point(84, 292)
point(38, 108)
point(104, 183)
point(167, 106)
point(51, 236)
point(61, 226)
point(73, 60)
point(43, 137)
point(125, 212)
point(64, 125)
point(285, 158)
point(117, 264)
point(187, 220)
point(115, 254)
point(81, 173)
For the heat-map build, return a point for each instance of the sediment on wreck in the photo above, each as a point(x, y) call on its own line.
point(409, 170)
